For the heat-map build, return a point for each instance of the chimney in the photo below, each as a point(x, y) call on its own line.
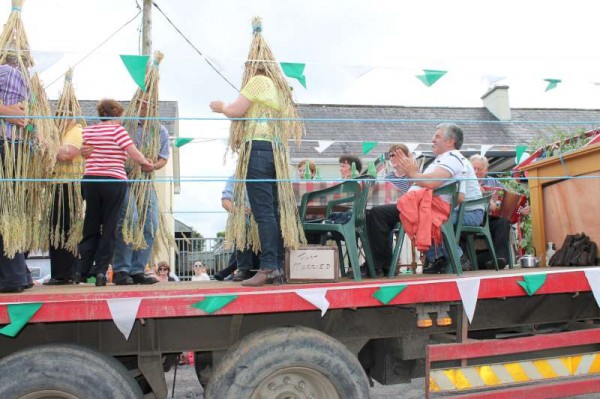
point(496, 101)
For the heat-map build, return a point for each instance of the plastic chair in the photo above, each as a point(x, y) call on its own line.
point(448, 233)
point(471, 232)
point(355, 193)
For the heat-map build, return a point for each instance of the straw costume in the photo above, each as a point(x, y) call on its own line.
point(67, 211)
point(279, 125)
point(141, 220)
point(28, 153)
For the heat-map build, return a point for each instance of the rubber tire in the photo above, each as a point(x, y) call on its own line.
point(66, 368)
point(260, 354)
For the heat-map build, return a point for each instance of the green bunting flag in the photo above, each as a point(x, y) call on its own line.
point(136, 66)
point(295, 71)
point(386, 294)
point(19, 315)
point(519, 150)
point(532, 282)
point(211, 304)
point(431, 76)
point(368, 146)
point(552, 83)
point(181, 141)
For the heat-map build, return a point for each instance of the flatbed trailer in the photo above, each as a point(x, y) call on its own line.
point(272, 341)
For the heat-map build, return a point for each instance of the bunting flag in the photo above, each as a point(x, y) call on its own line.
point(136, 66)
point(519, 150)
point(593, 278)
point(491, 79)
point(387, 293)
point(124, 312)
point(368, 146)
point(431, 76)
point(552, 83)
point(19, 314)
point(411, 146)
point(469, 291)
point(181, 141)
point(323, 145)
point(532, 282)
point(357, 71)
point(484, 149)
point(211, 304)
point(315, 297)
point(44, 60)
point(296, 71)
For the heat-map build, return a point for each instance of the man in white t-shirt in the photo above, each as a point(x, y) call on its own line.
point(448, 166)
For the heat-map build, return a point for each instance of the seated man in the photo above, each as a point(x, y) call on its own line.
point(446, 167)
point(499, 227)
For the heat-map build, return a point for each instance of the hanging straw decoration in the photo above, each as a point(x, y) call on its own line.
point(149, 145)
point(29, 152)
point(70, 116)
point(262, 61)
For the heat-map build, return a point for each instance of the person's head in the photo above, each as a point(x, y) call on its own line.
point(12, 59)
point(141, 105)
point(109, 109)
point(346, 162)
point(394, 148)
point(199, 268)
point(163, 268)
point(447, 137)
point(302, 168)
point(480, 164)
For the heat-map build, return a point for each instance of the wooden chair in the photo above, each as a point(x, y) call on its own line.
point(448, 233)
point(355, 194)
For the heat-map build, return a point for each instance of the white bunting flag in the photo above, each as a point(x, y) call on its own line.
point(485, 148)
point(124, 312)
point(323, 145)
point(593, 278)
point(315, 297)
point(469, 290)
point(412, 146)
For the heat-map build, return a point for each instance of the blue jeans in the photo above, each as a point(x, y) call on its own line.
point(470, 218)
point(265, 204)
point(125, 259)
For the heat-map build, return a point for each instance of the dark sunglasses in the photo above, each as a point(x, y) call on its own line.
point(160, 269)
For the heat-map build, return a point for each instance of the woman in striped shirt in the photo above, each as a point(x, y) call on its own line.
point(103, 188)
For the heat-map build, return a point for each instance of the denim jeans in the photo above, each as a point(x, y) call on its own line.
point(265, 204)
point(125, 259)
point(470, 218)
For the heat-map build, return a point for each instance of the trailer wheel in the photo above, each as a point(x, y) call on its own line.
point(288, 362)
point(65, 371)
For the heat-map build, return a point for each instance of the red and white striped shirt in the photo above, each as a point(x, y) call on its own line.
point(108, 158)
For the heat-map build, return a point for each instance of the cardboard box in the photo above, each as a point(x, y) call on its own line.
point(312, 264)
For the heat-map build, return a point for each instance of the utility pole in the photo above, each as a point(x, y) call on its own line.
point(147, 28)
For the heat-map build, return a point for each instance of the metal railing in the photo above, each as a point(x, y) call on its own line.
point(210, 251)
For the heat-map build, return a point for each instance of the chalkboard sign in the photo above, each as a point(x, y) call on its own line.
point(313, 263)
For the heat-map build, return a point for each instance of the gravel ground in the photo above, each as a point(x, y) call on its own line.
point(188, 387)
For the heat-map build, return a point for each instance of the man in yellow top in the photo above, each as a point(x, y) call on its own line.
point(69, 165)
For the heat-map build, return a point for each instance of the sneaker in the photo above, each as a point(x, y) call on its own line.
point(223, 274)
point(122, 278)
point(58, 281)
point(465, 263)
point(142, 279)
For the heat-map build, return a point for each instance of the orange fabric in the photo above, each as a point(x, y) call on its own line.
point(422, 216)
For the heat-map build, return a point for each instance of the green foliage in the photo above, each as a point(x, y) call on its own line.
point(221, 234)
point(558, 142)
point(527, 234)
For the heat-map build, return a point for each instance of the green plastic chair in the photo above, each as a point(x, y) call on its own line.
point(355, 194)
point(448, 234)
point(471, 232)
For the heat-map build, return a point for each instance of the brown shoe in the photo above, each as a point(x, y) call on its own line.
point(260, 278)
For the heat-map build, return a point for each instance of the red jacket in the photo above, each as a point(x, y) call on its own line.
point(422, 216)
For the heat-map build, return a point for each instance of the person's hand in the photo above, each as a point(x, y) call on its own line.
point(148, 166)
point(217, 106)
point(247, 211)
point(16, 110)
point(526, 210)
point(406, 164)
point(86, 150)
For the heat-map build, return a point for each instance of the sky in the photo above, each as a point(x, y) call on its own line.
point(355, 51)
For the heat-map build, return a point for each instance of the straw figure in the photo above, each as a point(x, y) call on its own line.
point(66, 194)
point(140, 211)
point(29, 152)
point(283, 123)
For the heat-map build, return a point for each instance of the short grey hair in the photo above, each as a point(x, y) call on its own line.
point(452, 131)
point(484, 161)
